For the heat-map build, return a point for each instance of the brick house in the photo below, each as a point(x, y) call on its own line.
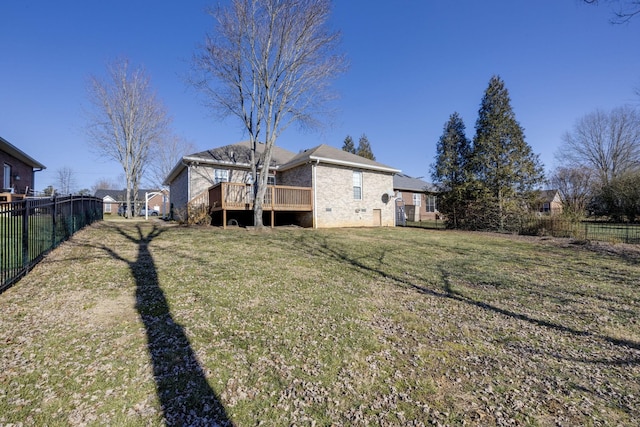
point(320, 187)
point(18, 172)
point(113, 199)
point(417, 198)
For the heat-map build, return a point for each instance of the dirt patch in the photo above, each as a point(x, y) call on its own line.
point(108, 312)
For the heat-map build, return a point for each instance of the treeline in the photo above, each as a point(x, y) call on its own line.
point(599, 172)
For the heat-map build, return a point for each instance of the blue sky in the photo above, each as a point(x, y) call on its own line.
point(412, 64)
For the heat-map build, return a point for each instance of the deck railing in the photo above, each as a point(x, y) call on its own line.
point(237, 196)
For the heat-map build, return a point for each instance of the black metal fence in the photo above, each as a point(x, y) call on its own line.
point(29, 228)
point(585, 230)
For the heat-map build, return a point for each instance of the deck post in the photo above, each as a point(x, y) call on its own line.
point(273, 203)
point(224, 219)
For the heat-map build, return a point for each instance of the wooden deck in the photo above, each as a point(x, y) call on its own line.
point(232, 196)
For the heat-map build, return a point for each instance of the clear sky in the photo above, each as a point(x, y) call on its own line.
point(412, 64)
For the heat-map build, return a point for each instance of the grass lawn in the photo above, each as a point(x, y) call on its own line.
point(139, 323)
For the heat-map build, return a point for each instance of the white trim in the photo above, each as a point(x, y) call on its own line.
point(354, 186)
point(354, 164)
point(315, 195)
point(6, 176)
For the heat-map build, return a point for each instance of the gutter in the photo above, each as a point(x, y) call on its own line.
point(354, 164)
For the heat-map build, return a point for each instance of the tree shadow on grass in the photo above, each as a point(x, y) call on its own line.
point(323, 248)
point(186, 397)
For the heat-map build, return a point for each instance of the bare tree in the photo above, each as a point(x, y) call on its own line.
point(125, 121)
point(606, 142)
point(65, 180)
point(268, 63)
point(624, 11)
point(576, 188)
point(164, 156)
point(104, 184)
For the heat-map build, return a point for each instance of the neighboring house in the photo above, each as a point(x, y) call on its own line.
point(320, 187)
point(416, 197)
point(550, 202)
point(18, 172)
point(112, 200)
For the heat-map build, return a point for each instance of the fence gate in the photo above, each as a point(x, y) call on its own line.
point(401, 217)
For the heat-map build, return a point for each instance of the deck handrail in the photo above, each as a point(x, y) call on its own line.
point(239, 196)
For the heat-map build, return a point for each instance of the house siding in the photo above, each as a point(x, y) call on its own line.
point(202, 178)
point(334, 202)
point(300, 176)
point(178, 191)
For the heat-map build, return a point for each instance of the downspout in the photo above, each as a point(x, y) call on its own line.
point(188, 181)
point(315, 197)
point(186, 206)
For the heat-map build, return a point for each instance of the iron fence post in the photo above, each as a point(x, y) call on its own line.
point(54, 214)
point(25, 234)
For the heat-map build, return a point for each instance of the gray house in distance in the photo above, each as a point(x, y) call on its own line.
point(417, 197)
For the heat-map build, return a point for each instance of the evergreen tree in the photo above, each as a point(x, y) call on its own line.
point(450, 171)
point(505, 169)
point(364, 148)
point(348, 145)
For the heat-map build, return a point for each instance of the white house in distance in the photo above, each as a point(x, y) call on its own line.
point(320, 187)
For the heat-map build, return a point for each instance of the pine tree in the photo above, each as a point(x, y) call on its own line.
point(348, 145)
point(505, 169)
point(450, 171)
point(364, 148)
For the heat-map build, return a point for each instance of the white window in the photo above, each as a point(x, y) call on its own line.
point(107, 207)
point(417, 199)
point(6, 182)
point(220, 175)
point(431, 204)
point(271, 179)
point(357, 185)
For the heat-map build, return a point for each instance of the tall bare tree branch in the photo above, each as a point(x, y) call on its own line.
point(164, 155)
point(624, 11)
point(65, 180)
point(269, 63)
point(126, 119)
point(606, 142)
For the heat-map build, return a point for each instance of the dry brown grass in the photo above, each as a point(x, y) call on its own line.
point(139, 323)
